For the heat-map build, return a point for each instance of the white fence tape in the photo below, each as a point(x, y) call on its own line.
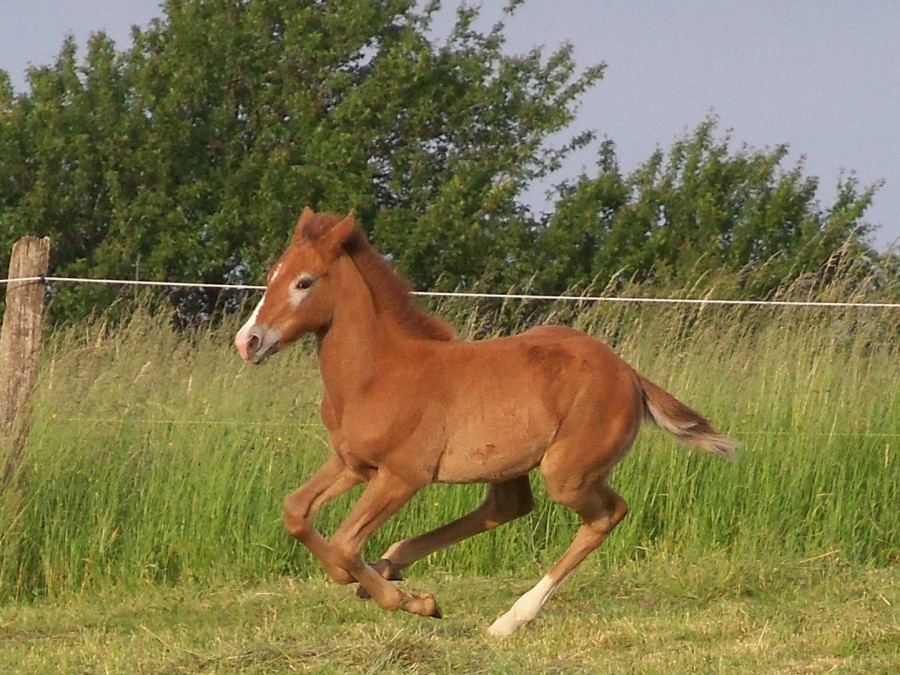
point(481, 296)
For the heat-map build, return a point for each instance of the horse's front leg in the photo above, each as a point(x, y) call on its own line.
point(383, 496)
point(329, 482)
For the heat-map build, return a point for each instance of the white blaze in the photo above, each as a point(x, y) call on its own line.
point(276, 271)
point(241, 340)
point(252, 320)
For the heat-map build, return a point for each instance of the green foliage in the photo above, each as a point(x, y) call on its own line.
point(189, 155)
point(687, 216)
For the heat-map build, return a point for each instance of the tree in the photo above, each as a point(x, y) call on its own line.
point(698, 212)
point(189, 155)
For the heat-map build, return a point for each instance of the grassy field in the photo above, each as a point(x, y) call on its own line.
point(669, 617)
point(150, 536)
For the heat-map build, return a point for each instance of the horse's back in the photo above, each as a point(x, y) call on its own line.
point(553, 332)
point(541, 361)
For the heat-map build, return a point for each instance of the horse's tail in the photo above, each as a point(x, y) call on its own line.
point(685, 423)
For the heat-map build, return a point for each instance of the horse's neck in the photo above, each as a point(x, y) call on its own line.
point(350, 348)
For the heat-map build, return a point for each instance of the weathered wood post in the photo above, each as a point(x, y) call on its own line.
point(20, 342)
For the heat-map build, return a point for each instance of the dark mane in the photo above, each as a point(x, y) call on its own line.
point(390, 291)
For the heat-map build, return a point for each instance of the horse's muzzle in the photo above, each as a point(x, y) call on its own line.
point(256, 343)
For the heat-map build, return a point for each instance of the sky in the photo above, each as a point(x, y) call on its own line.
point(822, 76)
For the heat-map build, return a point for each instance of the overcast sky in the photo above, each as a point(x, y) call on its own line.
point(822, 76)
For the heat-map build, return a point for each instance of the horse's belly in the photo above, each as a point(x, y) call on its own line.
point(473, 457)
point(483, 466)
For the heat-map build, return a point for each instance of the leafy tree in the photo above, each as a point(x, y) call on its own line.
point(697, 212)
point(188, 156)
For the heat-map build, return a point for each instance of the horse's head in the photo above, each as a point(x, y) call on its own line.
point(299, 291)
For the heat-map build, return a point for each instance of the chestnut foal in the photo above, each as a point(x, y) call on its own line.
point(407, 405)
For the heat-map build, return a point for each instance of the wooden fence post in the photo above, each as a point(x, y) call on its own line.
point(20, 342)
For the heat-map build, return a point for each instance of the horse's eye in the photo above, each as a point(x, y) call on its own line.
point(304, 283)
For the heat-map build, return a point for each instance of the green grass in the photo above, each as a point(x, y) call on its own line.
point(672, 616)
point(157, 457)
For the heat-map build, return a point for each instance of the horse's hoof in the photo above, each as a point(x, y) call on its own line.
point(387, 570)
point(423, 604)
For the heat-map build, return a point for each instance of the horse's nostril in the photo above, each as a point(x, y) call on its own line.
point(253, 342)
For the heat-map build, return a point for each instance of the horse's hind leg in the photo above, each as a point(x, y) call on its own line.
point(601, 509)
point(505, 501)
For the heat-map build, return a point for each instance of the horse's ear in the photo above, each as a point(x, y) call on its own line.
point(303, 222)
point(341, 233)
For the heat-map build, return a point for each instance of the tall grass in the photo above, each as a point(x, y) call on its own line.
point(157, 456)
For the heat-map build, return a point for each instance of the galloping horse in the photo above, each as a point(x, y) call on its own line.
point(407, 405)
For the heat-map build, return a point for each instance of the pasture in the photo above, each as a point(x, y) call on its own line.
point(669, 617)
point(151, 534)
